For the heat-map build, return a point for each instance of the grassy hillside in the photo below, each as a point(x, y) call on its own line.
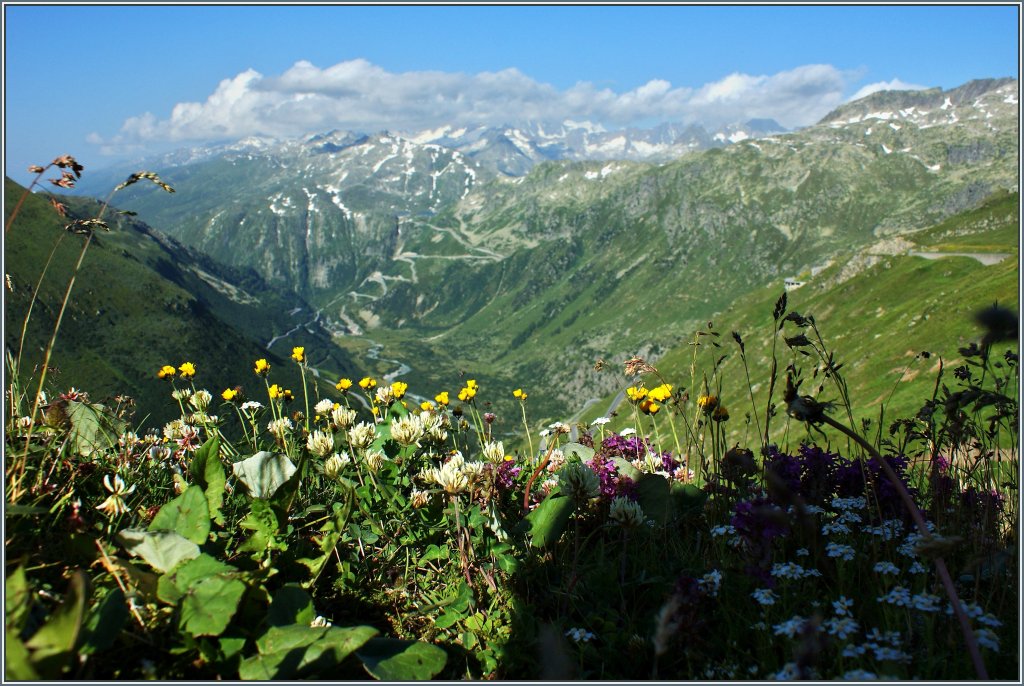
point(876, 322)
point(140, 301)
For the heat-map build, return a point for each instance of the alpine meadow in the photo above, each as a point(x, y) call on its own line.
point(530, 402)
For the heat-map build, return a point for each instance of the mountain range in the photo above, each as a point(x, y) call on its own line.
point(521, 255)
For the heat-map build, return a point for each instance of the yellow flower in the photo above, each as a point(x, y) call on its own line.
point(442, 398)
point(426, 406)
point(518, 393)
point(288, 395)
point(648, 406)
point(471, 384)
point(229, 394)
point(636, 394)
point(299, 354)
point(661, 393)
point(187, 369)
point(367, 383)
point(262, 367)
point(275, 392)
point(707, 403)
point(399, 388)
point(343, 385)
point(720, 414)
point(167, 371)
point(467, 393)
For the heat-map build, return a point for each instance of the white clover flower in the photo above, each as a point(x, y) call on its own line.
point(279, 427)
point(181, 394)
point(115, 505)
point(419, 498)
point(362, 435)
point(764, 596)
point(451, 478)
point(342, 417)
point(375, 459)
point(172, 429)
point(201, 400)
point(323, 407)
point(320, 443)
point(494, 451)
point(24, 423)
point(625, 512)
point(407, 430)
point(334, 465)
point(579, 482)
point(384, 395)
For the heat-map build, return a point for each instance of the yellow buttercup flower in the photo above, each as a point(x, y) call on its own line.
point(187, 369)
point(661, 393)
point(275, 392)
point(442, 398)
point(299, 354)
point(166, 371)
point(426, 406)
point(343, 385)
point(467, 393)
point(367, 383)
point(288, 395)
point(518, 394)
point(398, 389)
point(636, 394)
point(262, 367)
point(648, 406)
point(229, 394)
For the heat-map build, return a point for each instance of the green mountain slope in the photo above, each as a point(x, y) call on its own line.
point(143, 300)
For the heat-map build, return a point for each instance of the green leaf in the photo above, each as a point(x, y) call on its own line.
point(547, 522)
point(208, 472)
point(264, 473)
point(581, 451)
point(104, 623)
point(174, 585)
point(93, 427)
point(188, 514)
point(262, 520)
point(291, 605)
point(688, 498)
point(626, 469)
point(653, 495)
point(17, 661)
point(17, 599)
point(392, 659)
point(209, 605)
point(53, 646)
point(301, 652)
point(163, 550)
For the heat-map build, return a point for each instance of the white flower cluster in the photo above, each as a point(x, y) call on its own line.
point(975, 611)
point(710, 583)
point(765, 596)
point(839, 550)
point(898, 596)
point(454, 476)
point(789, 628)
point(625, 512)
point(886, 567)
point(888, 530)
point(841, 627)
point(791, 570)
point(858, 503)
point(580, 635)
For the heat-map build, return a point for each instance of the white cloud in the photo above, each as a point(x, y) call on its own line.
point(894, 85)
point(361, 96)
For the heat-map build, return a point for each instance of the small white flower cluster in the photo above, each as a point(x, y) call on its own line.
point(320, 622)
point(764, 596)
point(342, 417)
point(917, 568)
point(626, 513)
point(251, 406)
point(407, 430)
point(835, 527)
point(898, 596)
point(842, 606)
point(600, 421)
point(723, 530)
point(888, 530)
point(335, 464)
point(791, 570)
point(974, 611)
point(875, 639)
point(362, 435)
point(790, 628)
point(886, 567)
point(802, 552)
point(320, 443)
point(857, 503)
point(280, 427)
point(841, 627)
point(494, 451)
point(839, 550)
point(926, 602)
point(454, 476)
point(711, 583)
point(987, 639)
point(580, 635)
point(323, 407)
point(789, 672)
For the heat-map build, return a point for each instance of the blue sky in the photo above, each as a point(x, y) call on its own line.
point(108, 82)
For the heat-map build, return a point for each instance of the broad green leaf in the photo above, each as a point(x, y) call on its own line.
point(300, 651)
point(93, 427)
point(688, 498)
point(264, 473)
point(188, 514)
point(262, 521)
point(208, 472)
point(163, 550)
point(173, 586)
point(391, 659)
point(626, 469)
point(53, 646)
point(104, 623)
point(549, 519)
point(17, 599)
point(291, 605)
point(581, 451)
point(653, 495)
point(209, 605)
point(17, 661)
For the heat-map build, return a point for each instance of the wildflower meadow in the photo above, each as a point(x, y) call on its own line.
point(338, 529)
